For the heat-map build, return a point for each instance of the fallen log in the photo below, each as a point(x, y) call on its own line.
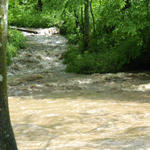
point(24, 30)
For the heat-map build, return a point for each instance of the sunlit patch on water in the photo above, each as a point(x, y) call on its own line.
point(142, 87)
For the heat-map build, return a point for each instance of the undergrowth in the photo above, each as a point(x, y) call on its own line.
point(16, 41)
point(25, 16)
point(101, 60)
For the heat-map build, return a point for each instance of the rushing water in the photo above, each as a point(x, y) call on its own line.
point(54, 110)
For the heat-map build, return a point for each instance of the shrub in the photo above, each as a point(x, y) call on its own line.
point(22, 16)
point(16, 41)
point(108, 60)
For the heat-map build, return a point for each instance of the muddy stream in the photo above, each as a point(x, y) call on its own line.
point(54, 110)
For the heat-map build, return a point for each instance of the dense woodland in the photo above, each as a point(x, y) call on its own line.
point(104, 35)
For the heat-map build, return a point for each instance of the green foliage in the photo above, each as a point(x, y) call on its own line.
point(122, 33)
point(15, 42)
point(26, 14)
point(11, 52)
point(122, 37)
point(16, 38)
point(111, 60)
point(32, 19)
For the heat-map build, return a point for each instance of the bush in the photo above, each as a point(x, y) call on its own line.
point(22, 16)
point(105, 61)
point(16, 41)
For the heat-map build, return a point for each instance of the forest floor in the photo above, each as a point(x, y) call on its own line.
point(54, 110)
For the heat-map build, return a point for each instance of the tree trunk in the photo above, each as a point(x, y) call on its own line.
point(86, 25)
point(82, 20)
point(76, 18)
point(7, 140)
point(93, 19)
point(40, 5)
point(24, 29)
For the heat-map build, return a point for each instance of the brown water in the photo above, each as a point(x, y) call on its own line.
point(54, 110)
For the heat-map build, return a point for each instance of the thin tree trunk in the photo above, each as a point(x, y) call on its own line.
point(40, 5)
point(77, 19)
point(7, 140)
point(82, 20)
point(86, 26)
point(24, 29)
point(93, 19)
point(148, 10)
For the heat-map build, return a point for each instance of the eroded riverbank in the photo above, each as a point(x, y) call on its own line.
point(54, 110)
